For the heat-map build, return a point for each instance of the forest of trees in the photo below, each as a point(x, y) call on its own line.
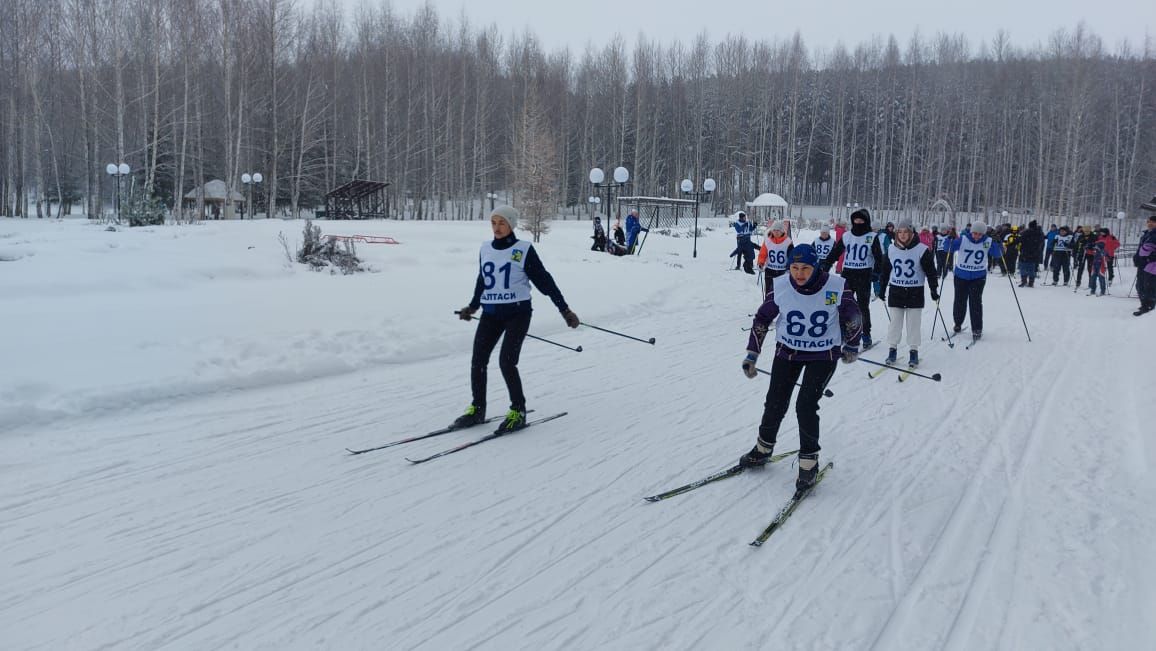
point(445, 110)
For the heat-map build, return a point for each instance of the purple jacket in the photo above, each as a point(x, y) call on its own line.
point(850, 321)
point(1147, 251)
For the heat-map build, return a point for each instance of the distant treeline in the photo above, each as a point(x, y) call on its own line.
point(186, 91)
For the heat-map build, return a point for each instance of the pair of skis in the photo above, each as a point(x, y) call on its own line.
point(903, 375)
point(451, 428)
point(784, 513)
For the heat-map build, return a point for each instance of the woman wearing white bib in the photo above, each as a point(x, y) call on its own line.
point(912, 265)
point(817, 323)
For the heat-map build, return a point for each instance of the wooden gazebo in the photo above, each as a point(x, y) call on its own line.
point(358, 199)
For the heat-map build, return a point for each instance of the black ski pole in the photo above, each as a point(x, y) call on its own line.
point(577, 350)
point(645, 341)
point(1013, 288)
point(826, 392)
point(946, 264)
point(937, 377)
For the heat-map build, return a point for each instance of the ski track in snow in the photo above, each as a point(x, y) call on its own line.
point(1007, 507)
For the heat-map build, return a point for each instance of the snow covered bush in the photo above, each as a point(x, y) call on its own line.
point(319, 253)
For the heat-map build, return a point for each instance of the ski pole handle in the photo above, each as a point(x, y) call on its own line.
point(543, 339)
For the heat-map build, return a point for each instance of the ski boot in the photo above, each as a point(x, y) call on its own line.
point(892, 355)
point(474, 416)
point(515, 420)
point(975, 336)
point(913, 359)
point(865, 342)
point(808, 470)
point(757, 457)
point(957, 328)
point(1144, 309)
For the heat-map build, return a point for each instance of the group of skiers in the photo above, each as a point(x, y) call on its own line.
point(819, 317)
point(624, 240)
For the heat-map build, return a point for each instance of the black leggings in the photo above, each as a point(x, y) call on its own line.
point(784, 375)
point(969, 297)
point(490, 329)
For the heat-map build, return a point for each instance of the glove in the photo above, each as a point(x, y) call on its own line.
point(850, 354)
point(934, 295)
point(571, 319)
point(749, 365)
point(467, 313)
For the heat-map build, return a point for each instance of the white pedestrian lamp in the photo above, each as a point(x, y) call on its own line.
point(708, 187)
point(117, 171)
point(492, 196)
point(250, 180)
point(593, 201)
point(598, 180)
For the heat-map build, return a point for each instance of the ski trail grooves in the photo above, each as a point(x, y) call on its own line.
point(959, 545)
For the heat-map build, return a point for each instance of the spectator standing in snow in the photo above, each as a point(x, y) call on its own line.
point(633, 229)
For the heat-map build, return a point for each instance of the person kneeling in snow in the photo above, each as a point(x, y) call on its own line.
point(817, 321)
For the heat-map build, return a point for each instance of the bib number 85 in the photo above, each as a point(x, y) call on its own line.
point(797, 323)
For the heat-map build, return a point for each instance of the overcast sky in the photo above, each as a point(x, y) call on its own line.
point(573, 23)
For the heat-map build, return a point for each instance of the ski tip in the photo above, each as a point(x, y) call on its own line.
point(756, 543)
point(352, 451)
point(937, 377)
point(651, 499)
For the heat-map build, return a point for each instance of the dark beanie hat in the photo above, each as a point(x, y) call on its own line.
point(861, 214)
point(804, 254)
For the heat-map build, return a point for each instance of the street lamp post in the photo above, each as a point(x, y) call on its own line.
point(598, 180)
point(593, 201)
point(492, 196)
point(117, 171)
point(250, 180)
point(708, 187)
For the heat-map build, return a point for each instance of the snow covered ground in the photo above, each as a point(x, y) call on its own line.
point(175, 403)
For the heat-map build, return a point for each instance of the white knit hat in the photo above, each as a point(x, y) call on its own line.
point(509, 214)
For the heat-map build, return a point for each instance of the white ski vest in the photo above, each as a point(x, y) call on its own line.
point(1063, 243)
point(905, 268)
point(858, 253)
point(823, 247)
point(809, 323)
point(972, 256)
point(504, 278)
point(777, 254)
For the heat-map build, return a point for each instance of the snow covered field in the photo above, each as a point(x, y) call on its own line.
point(175, 403)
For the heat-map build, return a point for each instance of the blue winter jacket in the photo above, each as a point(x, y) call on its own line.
point(995, 251)
point(633, 228)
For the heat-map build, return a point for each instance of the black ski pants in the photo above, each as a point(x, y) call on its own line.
point(859, 281)
point(784, 375)
point(1061, 260)
point(1146, 287)
point(769, 276)
point(490, 329)
point(969, 296)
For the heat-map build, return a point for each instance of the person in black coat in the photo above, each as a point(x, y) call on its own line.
point(912, 267)
point(1031, 253)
